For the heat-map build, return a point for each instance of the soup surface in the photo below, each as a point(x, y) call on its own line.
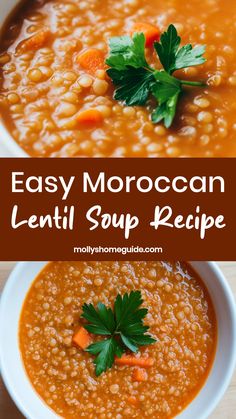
point(181, 319)
point(44, 88)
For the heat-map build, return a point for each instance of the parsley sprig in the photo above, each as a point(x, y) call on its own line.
point(123, 327)
point(136, 80)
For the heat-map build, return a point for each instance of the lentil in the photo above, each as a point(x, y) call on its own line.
point(100, 87)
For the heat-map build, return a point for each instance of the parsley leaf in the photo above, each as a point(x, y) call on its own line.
point(189, 56)
point(105, 351)
point(126, 308)
point(136, 340)
point(126, 51)
point(172, 56)
point(166, 111)
point(133, 85)
point(168, 47)
point(166, 91)
point(166, 86)
point(102, 320)
point(129, 69)
point(135, 80)
point(123, 327)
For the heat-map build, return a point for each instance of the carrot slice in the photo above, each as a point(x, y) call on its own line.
point(131, 360)
point(139, 375)
point(82, 338)
point(150, 32)
point(92, 60)
point(36, 41)
point(132, 400)
point(90, 117)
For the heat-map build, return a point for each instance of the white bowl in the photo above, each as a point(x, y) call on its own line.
point(31, 404)
point(8, 146)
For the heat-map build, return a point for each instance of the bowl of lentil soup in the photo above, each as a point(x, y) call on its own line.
point(57, 100)
point(49, 375)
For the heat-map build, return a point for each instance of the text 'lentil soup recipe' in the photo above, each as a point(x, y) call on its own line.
point(118, 339)
point(97, 78)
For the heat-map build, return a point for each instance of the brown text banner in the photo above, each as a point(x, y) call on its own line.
point(108, 209)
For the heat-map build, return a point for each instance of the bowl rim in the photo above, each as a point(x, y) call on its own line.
point(9, 145)
point(232, 308)
point(207, 409)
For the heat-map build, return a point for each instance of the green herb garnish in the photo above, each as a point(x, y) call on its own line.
point(136, 80)
point(123, 327)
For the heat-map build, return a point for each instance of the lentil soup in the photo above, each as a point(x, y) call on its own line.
point(180, 316)
point(45, 84)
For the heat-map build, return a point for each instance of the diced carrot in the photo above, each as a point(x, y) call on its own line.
point(132, 400)
point(82, 338)
point(36, 41)
point(150, 32)
point(90, 117)
point(131, 360)
point(139, 375)
point(92, 59)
